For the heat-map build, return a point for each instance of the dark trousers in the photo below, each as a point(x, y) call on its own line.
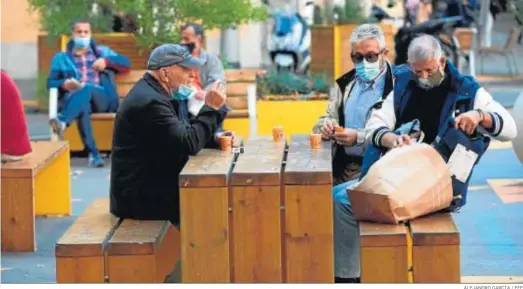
point(79, 105)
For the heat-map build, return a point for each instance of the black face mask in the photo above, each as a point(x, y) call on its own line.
point(190, 46)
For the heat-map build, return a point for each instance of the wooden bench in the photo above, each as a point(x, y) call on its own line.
point(258, 214)
point(424, 250)
point(103, 123)
point(39, 184)
point(384, 253)
point(100, 248)
point(435, 249)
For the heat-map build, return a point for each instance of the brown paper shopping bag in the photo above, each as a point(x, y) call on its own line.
point(404, 184)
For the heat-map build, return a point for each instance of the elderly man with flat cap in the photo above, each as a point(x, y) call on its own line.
point(151, 144)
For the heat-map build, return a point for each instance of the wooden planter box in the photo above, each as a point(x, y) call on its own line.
point(123, 43)
point(330, 47)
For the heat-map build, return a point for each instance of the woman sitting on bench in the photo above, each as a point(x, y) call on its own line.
point(15, 137)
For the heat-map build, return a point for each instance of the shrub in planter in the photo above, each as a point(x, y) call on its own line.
point(275, 85)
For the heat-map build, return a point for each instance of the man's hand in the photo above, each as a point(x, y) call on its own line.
point(216, 97)
point(468, 121)
point(99, 65)
point(327, 130)
point(391, 140)
point(347, 138)
point(227, 133)
point(71, 84)
point(200, 94)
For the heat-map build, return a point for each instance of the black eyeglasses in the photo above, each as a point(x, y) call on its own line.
point(370, 57)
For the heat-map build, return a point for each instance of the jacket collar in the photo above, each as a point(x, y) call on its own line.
point(203, 55)
point(155, 84)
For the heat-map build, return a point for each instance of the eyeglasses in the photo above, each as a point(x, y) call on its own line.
point(370, 57)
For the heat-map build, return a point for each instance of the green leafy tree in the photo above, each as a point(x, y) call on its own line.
point(158, 21)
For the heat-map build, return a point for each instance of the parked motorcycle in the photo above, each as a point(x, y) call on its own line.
point(442, 29)
point(290, 43)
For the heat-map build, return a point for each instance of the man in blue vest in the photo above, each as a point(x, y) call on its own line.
point(429, 93)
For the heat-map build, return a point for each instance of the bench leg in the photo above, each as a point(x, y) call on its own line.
point(53, 188)
point(146, 267)
point(18, 215)
point(436, 264)
point(80, 269)
point(384, 265)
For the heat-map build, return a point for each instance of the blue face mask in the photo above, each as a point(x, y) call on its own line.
point(184, 92)
point(82, 42)
point(368, 71)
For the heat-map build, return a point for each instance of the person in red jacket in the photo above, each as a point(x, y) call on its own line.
point(14, 134)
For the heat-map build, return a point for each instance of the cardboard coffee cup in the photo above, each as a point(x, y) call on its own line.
point(277, 133)
point(225, 142)
point(315, 140)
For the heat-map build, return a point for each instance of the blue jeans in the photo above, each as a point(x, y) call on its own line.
point(79, 105)
point(346, 235)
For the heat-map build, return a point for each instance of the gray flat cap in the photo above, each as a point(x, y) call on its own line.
point(169, 54)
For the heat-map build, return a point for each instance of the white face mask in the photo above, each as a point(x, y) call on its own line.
point(195, 105)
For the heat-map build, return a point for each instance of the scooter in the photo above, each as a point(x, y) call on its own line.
point(290, 43)
point(442, 29)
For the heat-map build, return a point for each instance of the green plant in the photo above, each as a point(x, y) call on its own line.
point(158, 20)
point(318, 15)
point(287, 83)
point(42, 93)
point(350, 13)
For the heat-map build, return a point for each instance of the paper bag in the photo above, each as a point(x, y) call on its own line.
point(404, 184)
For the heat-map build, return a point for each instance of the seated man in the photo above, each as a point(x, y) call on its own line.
point(426, 93)
point(204, 78)
point(84, 77)
point(358, 91)
point(151, 142)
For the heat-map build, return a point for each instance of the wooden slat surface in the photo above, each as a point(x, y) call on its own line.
point(306, 166)
point(237, 89)
point(260, 164)
point(237, 102)
point(210, 168)
point(137, 237)
point(103, 116)
point(131, 76)
point(205, 234)
point(256, 239)
point(435, 229)
point(43, 153)
point(309, 235)
point(240, 75)
point(382, 235)
point(90, 232)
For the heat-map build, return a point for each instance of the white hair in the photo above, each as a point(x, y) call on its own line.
point(424, 47)
point(368, 31)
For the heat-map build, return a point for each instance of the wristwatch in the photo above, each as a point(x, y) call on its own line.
point(360, 140)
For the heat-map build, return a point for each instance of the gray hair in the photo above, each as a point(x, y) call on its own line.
point(424, 47)
point(368, 31)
